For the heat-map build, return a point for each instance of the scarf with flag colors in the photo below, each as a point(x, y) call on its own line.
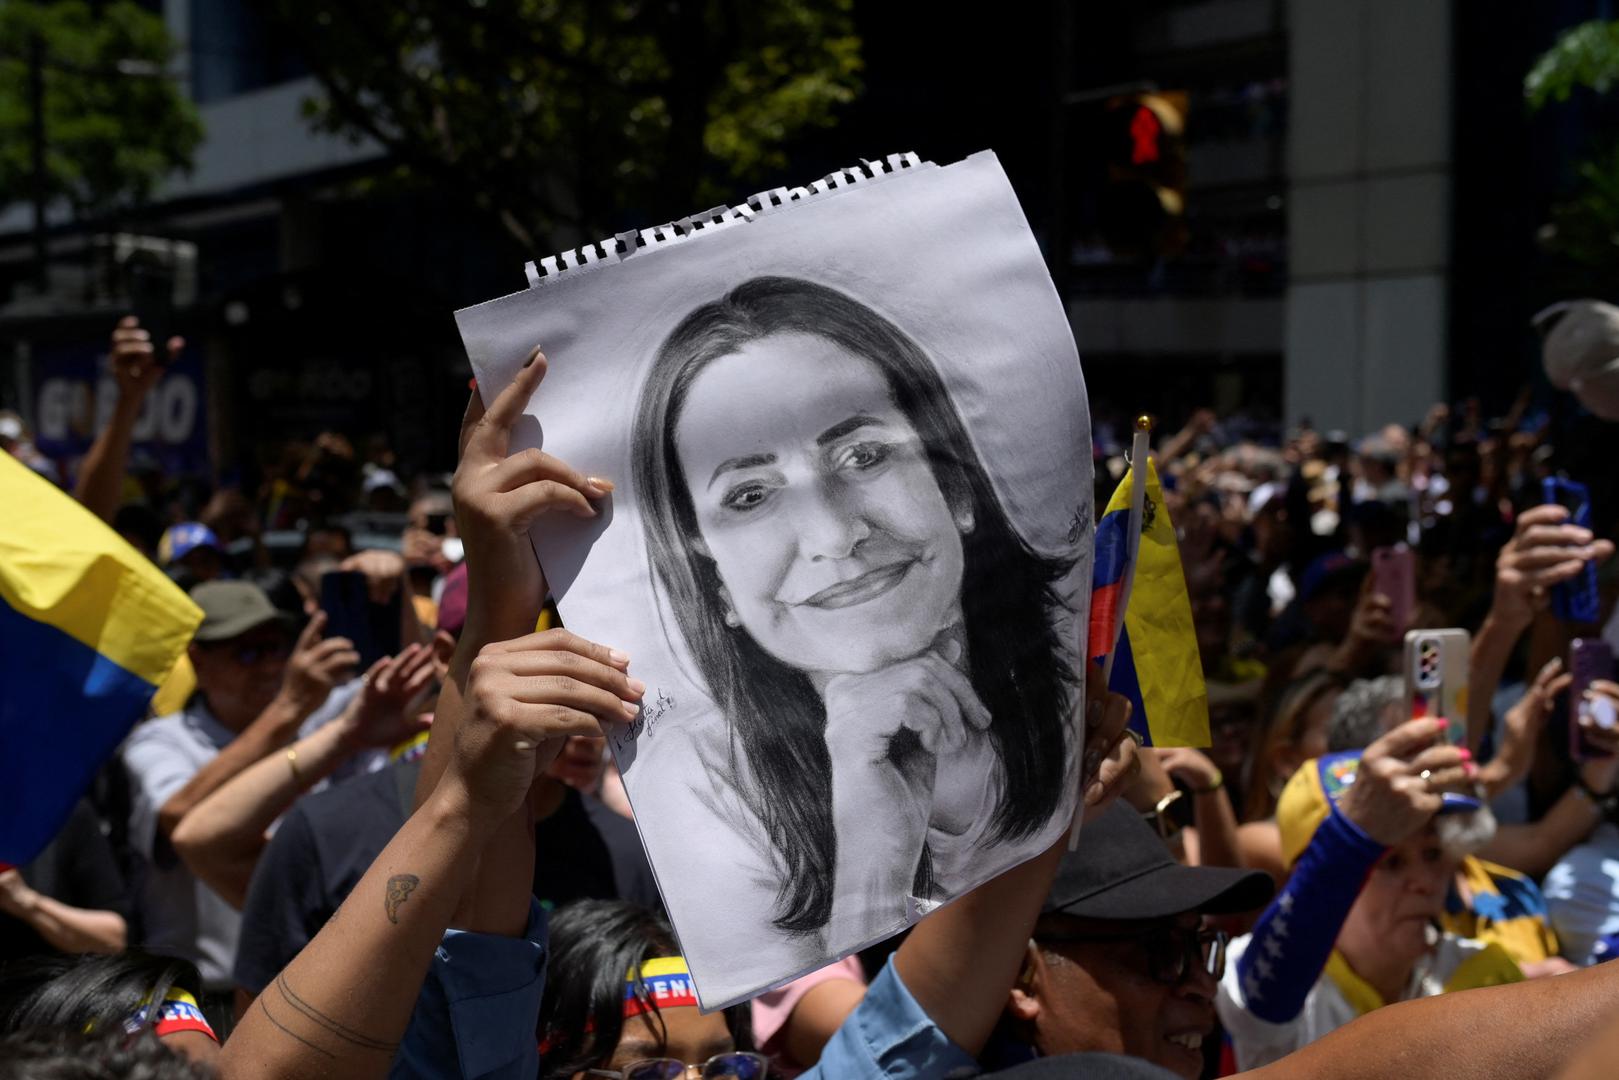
point(88, 629)
point(1157, 666)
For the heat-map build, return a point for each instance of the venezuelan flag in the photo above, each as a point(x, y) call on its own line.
point(88, 629)
point(1157, 666)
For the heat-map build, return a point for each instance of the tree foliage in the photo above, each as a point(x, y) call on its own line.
point(114, 124)
point(1584, 228)
point(1584, 56)
point(568, 112)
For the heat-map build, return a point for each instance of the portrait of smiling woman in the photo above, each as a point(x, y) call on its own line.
point(894, 668)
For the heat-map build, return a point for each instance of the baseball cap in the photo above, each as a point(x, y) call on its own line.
point(1317, 786)
point(232, 608)
point(181, 540)
point(1581, 352)
point(1122, 870)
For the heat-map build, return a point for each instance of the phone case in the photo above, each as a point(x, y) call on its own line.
point(1436, 678)
point(1589, 659)
point(1575, 600)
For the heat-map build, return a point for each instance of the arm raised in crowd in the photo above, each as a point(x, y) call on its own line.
point(1544, 551)
point(960, 962)
point(66, 928)
point(343, 1005)
point(315, 667)
point(136, 369)
point(221, 838)
point(1525, 1030)
point(497, 497)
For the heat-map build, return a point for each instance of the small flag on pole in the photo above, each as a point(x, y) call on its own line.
point(88, 629)
point(1154, 658)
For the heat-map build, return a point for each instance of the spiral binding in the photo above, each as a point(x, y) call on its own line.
point(616, 249)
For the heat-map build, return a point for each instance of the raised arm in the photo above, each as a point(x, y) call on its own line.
point(136, 369)
point(1544, 551)
point(1522, 1031)
point(343, 1005)
point(315, 667)
point(960, 962)
point(65, 927)
point(497, 497)
point(1386, 803)
point(221, 838)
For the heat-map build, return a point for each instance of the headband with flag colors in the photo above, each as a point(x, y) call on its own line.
point(663, 982)
point(88, 630)
point(1157, 666)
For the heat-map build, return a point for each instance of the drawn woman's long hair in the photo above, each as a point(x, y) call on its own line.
point(776, 718)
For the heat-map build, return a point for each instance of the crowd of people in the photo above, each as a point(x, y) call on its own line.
point(341, 848)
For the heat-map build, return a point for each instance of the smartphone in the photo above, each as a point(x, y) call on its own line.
point(350, 613)
point(1436, 678)
point(151, 300)
point(1394, 574)
point(1575, 600)
point(1589, 659)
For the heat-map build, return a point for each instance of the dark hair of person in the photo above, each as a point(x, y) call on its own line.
point(594, 945)
point(777, 719)
point(89, 992)
point(109, 1055)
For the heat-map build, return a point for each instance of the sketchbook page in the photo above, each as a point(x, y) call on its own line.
point(848, 552)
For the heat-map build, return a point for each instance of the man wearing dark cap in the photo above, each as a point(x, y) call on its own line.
point(255, 689)
point(1120, 961)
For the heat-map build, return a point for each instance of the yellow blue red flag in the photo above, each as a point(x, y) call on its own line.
point(1157, 666)
point(88, 629)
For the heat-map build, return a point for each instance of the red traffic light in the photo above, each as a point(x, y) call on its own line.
point(1145, 128)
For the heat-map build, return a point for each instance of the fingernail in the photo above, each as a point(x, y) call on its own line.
point(631, 709)
point(1470, 769)
point(637, 687)
point(522, 746)
point(601, 484)
point(1093, 793)
point(536, 354)
point(622, 659)
point(1466, 754)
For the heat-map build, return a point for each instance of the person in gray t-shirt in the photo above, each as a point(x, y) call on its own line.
point(256, 687)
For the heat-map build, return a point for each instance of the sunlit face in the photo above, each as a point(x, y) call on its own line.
point(1101, 996)
point(837, 550)
point(1403, 895)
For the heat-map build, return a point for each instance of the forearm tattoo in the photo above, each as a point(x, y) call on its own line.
point(312, 1015)
point(400, 886)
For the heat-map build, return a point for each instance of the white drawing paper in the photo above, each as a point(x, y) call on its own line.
point(849, 549)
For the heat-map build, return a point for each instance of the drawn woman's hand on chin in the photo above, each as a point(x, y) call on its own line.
point(887, 731)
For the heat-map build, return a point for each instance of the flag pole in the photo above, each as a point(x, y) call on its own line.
point(1139, 450)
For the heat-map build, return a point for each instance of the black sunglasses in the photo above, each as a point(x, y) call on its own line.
point(1172, 952)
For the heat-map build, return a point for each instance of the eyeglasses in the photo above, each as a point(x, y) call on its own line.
point(735, 1066)
point(1172, 952)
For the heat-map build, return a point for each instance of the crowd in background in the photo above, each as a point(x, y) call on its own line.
point(1327, 856)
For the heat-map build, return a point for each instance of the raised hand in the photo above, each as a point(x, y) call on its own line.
point(498, 496)
point(134, 362)
point(1523, 724)
point(380, 715)
point(1600, 773)
point(1390, 799)
point(316, 666)
point(524, 699)
point(1545, 550)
